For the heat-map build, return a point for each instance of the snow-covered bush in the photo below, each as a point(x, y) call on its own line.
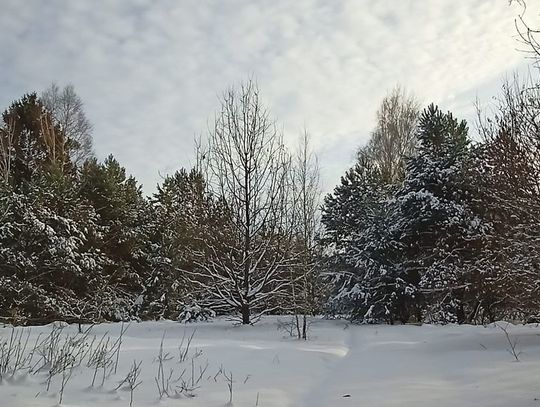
point(195, 313)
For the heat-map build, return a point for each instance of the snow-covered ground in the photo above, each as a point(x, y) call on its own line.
point(340, 365)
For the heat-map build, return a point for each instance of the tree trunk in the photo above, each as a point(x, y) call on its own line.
point(245, 314)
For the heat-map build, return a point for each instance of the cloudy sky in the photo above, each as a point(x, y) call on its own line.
point(150, 72)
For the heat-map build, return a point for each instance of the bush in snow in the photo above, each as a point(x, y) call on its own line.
point(195, 313)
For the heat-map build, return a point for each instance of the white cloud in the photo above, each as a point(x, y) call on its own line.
point(150, 72)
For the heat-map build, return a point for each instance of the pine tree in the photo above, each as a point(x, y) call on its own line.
point(399, 246)
point(49, 269)
point(434, 226)
point(353, 218)
point(183, 218)
point(125, 217)
point(371, 285)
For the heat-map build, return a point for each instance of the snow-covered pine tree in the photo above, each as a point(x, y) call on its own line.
point(47, 264)
point(434, 228)
point(361, 254)
point(125, 217)
point(49, 268)
point(353, 218)
point(185, 213)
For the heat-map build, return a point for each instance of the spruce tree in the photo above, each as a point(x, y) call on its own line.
point(432, 222)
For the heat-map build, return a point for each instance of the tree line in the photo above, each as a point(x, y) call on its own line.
point(434, 222)
point(437, 222)
point(454, 237)
point(80, 241)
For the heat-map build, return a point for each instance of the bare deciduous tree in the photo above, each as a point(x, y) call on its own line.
point(54, 142)
point(394, 137)
point(7, 153)
point(67, 110)
point(528, 36)
point(517, 118)
point(248, 168)
point(510, 171)
point(305, 177)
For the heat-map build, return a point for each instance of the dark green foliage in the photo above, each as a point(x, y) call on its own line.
point(125, 217)
point(352, 216)
point(48, 266)
point(453, 237)
point(184, 216)
point(431, 217)
point(457, 241)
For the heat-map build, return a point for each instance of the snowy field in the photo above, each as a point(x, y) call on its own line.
point(341, 365)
